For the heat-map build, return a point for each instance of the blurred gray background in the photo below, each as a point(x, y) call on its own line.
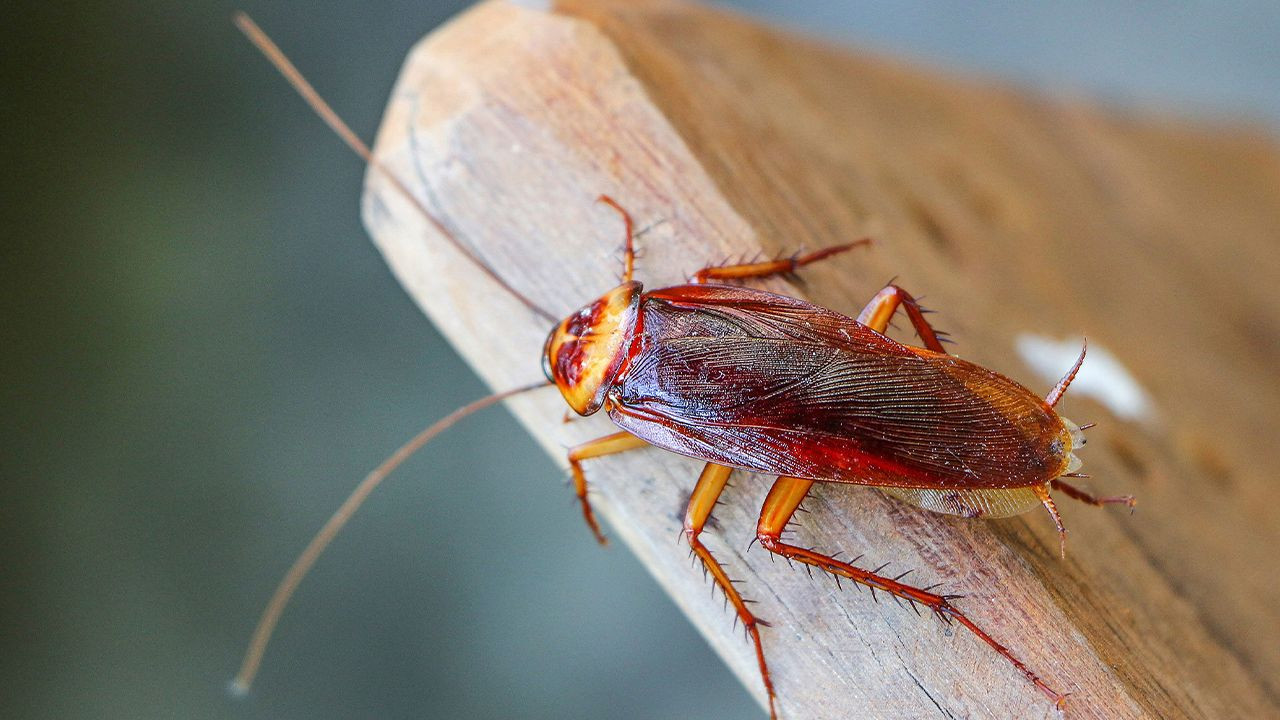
point(202, 353)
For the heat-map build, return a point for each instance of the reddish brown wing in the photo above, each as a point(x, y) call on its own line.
point(768, 383)
point(728, 311)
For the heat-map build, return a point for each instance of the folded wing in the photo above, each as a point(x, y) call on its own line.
point(789, 388)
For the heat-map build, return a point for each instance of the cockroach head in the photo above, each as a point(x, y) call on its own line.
point(585, 351)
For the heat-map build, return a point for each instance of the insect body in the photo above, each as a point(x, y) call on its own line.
point(750, 380)
point(773, 384)
point(743, 379)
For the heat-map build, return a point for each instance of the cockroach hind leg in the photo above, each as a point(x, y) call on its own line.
point(1042, 492)
point(787, 493)
point(702, 501)
point(1076, 493)
point(880, 310)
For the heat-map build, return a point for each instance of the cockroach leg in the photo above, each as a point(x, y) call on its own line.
point(1076, 493)
point(779, 507)
point(1042, 492)
point(607, 445)
point(629, 250)
point(770, 267)
point(701, 502)
point(877, 314)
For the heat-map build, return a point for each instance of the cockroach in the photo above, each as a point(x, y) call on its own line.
point(747, 380)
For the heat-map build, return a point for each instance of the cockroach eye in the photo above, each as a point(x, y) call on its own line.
point(546, 356)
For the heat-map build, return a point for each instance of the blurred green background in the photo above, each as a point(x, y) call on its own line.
point(203, 353)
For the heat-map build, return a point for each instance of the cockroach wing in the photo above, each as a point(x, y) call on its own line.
point(970, 502)
point(789, 388)
point(726, 311)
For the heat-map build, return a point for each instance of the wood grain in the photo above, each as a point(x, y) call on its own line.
point(1011, 213)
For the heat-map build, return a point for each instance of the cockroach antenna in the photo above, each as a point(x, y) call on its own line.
point(321, 108)
point(284, 591)
point(1061, 388)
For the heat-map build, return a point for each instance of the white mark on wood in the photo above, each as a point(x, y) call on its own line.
point(541, 5)
point(1102, 376)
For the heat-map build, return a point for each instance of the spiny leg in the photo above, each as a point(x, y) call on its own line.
point(629, 250)
point(785, 497)
point(1071, 491)
point(701, 502)
point(771, 267)
point(1042, 492)
point(1076, 493)
point(877, 314)
point(607, 445)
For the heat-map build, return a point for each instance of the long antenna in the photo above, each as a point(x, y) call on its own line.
point(1061, 388)
point(288, 584)
point(277, 57)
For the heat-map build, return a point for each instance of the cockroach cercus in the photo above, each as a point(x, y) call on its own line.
point(742, 379)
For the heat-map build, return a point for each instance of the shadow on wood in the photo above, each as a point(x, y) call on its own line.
point(1013, 214)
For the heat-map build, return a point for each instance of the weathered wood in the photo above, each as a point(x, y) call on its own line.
point(1013, 214)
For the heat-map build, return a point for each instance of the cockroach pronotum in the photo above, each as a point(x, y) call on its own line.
point(743, 379)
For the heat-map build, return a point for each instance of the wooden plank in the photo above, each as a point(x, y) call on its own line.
point(1013, 214)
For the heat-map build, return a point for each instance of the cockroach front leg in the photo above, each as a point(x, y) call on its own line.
point(877, 314)
point(607, 445)
point(785, 497)
point(705, 494)
point(771, 267)
point(629, 229)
